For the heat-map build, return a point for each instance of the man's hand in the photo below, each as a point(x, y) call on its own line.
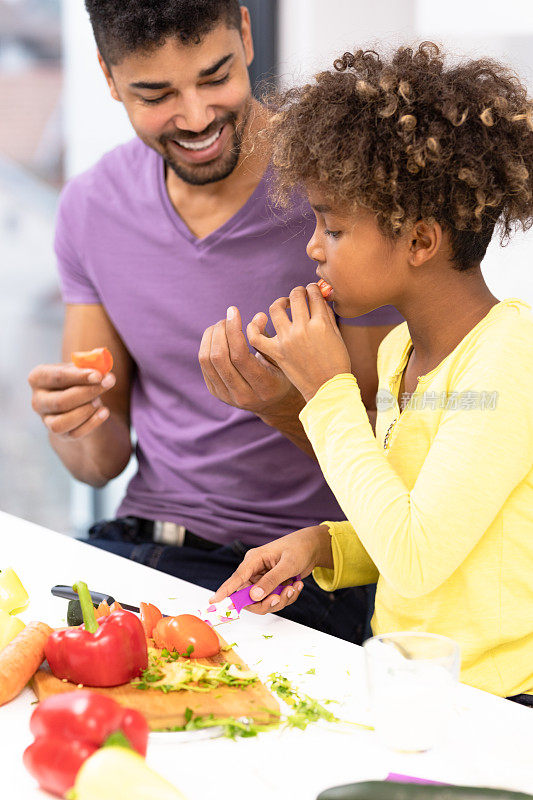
point(309, 349)
point(236, 376)
point(69, 399)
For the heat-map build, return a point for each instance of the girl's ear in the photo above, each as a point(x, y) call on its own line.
point(425, 242)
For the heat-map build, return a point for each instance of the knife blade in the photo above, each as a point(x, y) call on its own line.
point(68, 593)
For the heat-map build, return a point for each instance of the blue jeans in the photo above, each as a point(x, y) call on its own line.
point(343, 613)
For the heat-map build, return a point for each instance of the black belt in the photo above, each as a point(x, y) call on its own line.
point(172, 534)
point(523, 699)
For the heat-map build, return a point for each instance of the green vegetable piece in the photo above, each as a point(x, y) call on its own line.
point(385, 790)
point(118, 739)
point(74, 615)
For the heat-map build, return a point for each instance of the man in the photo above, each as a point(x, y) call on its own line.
point(154, 243)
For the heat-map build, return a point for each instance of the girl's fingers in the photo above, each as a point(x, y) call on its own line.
point(278, 314)
point(283, 571)
point(274, 602)
point(298, 302)
point(264, 344)
point(261, 320)
point(317, 304)
point(319, 307)
point(239, 579)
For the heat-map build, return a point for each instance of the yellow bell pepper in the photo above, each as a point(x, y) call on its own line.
point(117, 773)
point(13, 595)
point(9, 628)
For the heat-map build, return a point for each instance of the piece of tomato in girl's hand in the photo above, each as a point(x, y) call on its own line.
point(184, 632)
point(325, 288)
point(99, 359)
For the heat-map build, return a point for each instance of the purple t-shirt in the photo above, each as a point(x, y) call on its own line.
point(218, 470)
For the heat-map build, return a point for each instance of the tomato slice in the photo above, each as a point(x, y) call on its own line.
point(325, 288)
point(150, 616)
point(99, 359)
point(103, 610)
point(185, 631)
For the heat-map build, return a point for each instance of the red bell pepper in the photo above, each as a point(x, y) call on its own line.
point(106, 654)
point(70, 727)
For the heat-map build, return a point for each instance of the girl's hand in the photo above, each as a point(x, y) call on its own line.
point(267, 566)
point(310, 349)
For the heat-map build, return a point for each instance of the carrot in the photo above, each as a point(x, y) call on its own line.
point(115, 607)
point(21, 659)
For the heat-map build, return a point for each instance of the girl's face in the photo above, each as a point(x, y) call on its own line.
point(365, 269)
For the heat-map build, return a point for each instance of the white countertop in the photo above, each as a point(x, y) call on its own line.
point(491, 743)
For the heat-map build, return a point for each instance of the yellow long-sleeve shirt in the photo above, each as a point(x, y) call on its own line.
point(439, 504)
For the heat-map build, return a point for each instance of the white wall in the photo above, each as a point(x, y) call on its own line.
point(314, 32)
point(93, 122)
point(503, 31)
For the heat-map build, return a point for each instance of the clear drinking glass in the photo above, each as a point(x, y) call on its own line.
point(411, 679)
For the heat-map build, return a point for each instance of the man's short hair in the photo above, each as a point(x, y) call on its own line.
point(127, 26)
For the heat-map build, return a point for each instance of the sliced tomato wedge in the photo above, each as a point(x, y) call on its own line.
point(150, 616)
point(325, 288)
point(103, 610)
point(185, 631)
point(99, 359)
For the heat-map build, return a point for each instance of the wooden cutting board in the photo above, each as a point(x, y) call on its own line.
point(165, 710)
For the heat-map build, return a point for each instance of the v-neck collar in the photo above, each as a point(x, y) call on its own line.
point(220, 232)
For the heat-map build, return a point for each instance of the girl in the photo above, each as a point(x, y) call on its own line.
point(409, 167)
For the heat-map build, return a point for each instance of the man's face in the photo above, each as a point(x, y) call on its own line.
point(190, 103)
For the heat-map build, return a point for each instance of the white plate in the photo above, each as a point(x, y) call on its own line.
point(181, 737)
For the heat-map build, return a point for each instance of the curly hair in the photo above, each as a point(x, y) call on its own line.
point(407, 138)
point(125, 26)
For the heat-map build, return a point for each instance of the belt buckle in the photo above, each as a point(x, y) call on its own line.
point(169, 533)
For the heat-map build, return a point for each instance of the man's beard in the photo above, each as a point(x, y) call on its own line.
point(211, 172)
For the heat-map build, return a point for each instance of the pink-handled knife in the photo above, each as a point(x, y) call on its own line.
point(230, 608)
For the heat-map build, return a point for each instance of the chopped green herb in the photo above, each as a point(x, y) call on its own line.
point(306, 709)
point(311, 671)
point(232, 727)
point(226, 647)
point(267, 637)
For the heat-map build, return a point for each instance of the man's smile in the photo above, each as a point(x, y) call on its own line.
point(199, 144)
